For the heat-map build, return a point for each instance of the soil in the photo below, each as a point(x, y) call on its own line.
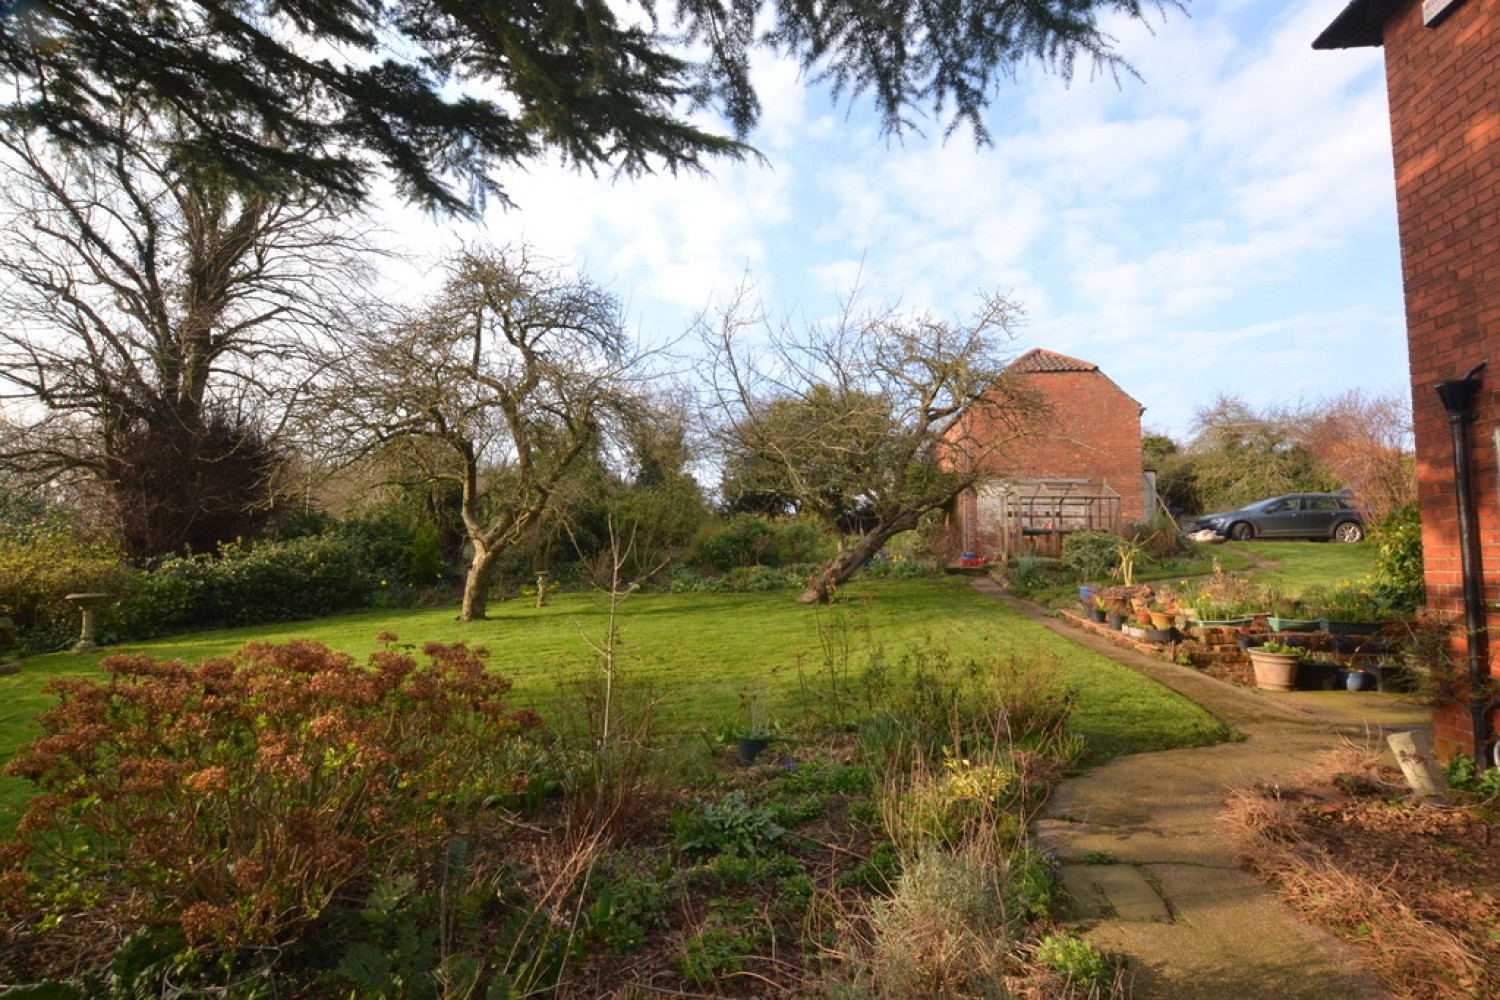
point(1415, 887)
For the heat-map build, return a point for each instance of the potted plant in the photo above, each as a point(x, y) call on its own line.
point(1276, 665)
point(1185, 601)
point(1345, 609)
point(1289, 615)
point(1162, 614)
point(755, 737)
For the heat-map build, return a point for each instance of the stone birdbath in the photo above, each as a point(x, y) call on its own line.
point(89, 604)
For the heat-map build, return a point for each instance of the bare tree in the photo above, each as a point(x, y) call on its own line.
point(502, 385)
point(1239, 455)
point(158, 328)
point(870, 423)
point(1365, 440)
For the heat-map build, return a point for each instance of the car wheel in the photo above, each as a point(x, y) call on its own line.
point(1349, 532)
point(1242, 532)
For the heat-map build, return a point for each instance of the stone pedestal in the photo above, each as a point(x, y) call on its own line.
point(89, 604)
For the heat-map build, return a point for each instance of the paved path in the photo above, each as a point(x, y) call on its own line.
point(1165, 892)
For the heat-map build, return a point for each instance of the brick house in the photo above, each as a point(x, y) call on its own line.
point(1078, 467)
point(1442, 64)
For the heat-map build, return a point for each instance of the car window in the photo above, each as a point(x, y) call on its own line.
point(1327, 503)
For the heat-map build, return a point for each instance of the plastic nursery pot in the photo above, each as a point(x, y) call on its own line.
point(750, 747)
point(1318, 675)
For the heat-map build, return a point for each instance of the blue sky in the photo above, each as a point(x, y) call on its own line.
point(1224, 225)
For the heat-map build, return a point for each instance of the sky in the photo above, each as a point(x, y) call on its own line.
point(1223, 225)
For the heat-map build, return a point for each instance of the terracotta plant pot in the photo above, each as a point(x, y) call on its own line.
point(1275, 671)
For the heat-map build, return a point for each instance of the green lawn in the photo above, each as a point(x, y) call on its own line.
point(1297, 566)
point(698, 652)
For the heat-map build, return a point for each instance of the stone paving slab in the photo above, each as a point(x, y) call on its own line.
point(1122, 892)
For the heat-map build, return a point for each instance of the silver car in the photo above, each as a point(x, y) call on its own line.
point(1318, 516)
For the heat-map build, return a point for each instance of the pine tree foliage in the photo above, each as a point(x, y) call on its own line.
point(438, 94)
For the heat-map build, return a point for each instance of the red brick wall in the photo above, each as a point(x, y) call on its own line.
point(1093, 432)
point(1444, 89)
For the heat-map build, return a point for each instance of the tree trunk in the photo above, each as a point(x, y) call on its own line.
point(477, 585)
point(844, 565)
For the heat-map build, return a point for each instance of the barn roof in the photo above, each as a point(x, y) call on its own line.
point(1038, 360)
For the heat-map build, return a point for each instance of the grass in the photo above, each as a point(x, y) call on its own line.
point(1296, 567)
point(699, 653)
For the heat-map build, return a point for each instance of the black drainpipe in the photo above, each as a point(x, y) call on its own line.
point(1458, 399)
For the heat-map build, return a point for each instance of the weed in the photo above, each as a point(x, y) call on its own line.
point(1077, 961)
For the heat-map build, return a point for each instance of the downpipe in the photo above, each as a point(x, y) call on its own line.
point(1459, 397)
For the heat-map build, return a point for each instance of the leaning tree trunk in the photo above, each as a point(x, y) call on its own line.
point(477, 584)
point(844, 565)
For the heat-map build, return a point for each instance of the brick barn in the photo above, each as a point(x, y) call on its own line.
point(1078, 467)
point(1442, 64)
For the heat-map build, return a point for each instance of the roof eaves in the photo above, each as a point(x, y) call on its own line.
point(1359, 25)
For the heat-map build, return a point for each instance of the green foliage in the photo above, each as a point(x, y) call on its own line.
point(946, 806)
point(1090, 554)
point(1028, 573)
point(452, 938)
point(249, 584)
point(1463, 776)
point(1346, 601)
point(730, 826)
point(1030, 884)
point(164, 784)
point(752, 540)
point(878, 872)
point(1398, 559)
point(630, 901)
point(40, 563)
point(718, 949)
point(1077, 961)
point(1240, 456)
